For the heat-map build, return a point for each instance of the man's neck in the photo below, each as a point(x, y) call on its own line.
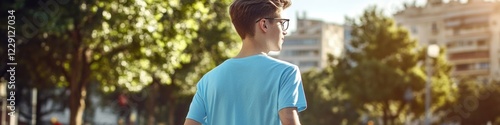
point(251, 47)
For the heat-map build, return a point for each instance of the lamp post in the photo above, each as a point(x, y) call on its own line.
point(408, 99)
point(34, 98)
point(432, 52)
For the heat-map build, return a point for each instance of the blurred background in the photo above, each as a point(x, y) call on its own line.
point(137, 62)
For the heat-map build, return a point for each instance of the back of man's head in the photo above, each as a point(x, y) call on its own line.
point(244, 13)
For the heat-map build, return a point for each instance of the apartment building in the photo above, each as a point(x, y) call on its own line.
point(470, 31)
point(309, 45)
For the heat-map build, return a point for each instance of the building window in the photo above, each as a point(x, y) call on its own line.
point(461, 43)
point(469, 55)
point(481, 42)
point(432, 42)
point(461, 67)
point(286, 53)
point(483, 65)
point(301, 42)
point(477, 20)
point(453, 23)
point(414, 30)
point(434, 28)
point(295, 53)
point(308, 64)
point(450, 44)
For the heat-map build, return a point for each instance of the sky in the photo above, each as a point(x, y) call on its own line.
point(334, 11)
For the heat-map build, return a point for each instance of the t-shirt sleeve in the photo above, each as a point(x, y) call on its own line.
point(291, 93)
point(197, 110)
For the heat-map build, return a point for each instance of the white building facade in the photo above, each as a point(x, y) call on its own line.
point(311, 43)
point(470, 32)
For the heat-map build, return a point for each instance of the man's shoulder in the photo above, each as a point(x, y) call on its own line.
point(282, 63)
point(262, 60)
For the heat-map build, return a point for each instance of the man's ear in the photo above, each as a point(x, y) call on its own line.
point(264, 23)
point(262, 26)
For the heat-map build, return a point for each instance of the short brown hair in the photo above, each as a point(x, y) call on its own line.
point(244, 13)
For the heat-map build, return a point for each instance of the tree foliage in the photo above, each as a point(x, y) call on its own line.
point(386, 73)
point(328, 103)
point(477, 103)
point(381, 77)
point(126, 43)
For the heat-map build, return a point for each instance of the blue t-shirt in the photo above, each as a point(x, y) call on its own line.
point(247, 91)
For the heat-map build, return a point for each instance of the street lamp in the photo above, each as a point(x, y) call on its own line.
point(408, 99)
point(432, 52)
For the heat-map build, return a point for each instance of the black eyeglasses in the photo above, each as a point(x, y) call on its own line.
point(283, 22)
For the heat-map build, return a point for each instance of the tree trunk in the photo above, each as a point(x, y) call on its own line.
point(171, 112)
point(78, 79)
point(77, 101)
point(77, 105)
point(151, 105)
point(171, 102)
point(385, 108)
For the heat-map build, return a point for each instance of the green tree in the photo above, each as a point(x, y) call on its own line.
point(117, 43)
point(477, 103)
point(326, 99)
point(216, 42)
point(384, 65)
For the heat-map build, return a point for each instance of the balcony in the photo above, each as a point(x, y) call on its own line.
point(475, 68)
point(470, 48)
point(467, 20)
point(473, 72)
point(299, 55)
point(468, 32)
point(469, 55)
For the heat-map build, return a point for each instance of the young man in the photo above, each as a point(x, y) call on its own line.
point(251, 88)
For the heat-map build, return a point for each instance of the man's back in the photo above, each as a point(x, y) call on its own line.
point(247, 91)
